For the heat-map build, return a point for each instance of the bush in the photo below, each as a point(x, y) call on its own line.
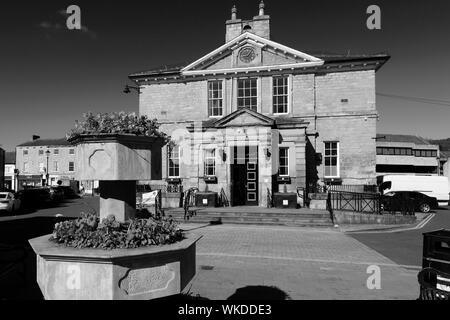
point(116, 123)
point(88, 232)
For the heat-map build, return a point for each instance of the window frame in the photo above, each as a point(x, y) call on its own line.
point(212, 99)
point(287, 161)
point(206, 157)
point(73, 166)
point(338, 169)
point(255, 97)
point(56, 152)
point(169, 152)
point(55, 166)
point(287, 94)
point(71, 151)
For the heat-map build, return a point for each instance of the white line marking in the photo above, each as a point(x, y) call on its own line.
point(308, 260)
point(417, 227)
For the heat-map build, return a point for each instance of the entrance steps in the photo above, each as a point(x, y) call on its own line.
point(256, 216)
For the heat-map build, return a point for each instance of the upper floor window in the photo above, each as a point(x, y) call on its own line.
point(41, 152)
point(71, 166)
point(280, 95)
point(25, 152)
point(56, 151)
point(173, 156)
point(284, 162)
point(71, 151)
point(215, 98)
point(55, 166)
point(247, 96)
point(331, 159)
point(210, 162)
point(26, 167)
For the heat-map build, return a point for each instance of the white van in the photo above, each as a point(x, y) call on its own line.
point(433, 186)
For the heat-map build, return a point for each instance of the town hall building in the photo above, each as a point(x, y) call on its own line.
point(254, 117)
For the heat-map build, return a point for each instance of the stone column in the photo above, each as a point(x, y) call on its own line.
point(118, 198)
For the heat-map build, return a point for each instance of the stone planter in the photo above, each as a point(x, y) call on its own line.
point(114, 157)
point(65, 273)
point(117, 161)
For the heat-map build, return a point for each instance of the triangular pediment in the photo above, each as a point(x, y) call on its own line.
point(249, 52)
point(244, 117)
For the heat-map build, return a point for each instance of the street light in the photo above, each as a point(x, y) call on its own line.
point(47, 176)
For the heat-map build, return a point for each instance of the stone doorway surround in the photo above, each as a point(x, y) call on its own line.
point(245, 127)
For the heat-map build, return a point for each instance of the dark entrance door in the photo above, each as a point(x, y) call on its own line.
point(244, 176)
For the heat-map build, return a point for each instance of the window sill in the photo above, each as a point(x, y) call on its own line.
point(210, 179)
point(280, 114)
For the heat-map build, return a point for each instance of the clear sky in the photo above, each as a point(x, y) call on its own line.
point(49, 75)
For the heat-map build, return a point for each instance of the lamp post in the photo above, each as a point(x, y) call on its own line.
point(47, 176)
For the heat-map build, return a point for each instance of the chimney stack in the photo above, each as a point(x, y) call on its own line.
point(234, 13)
point(35, 137)
point(261, 8)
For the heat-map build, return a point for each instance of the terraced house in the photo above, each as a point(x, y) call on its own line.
point(254, 116)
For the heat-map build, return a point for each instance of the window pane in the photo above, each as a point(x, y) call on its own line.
point(215, 101)
point(331, 161)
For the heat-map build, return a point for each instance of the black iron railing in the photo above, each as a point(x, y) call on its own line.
point(223, 199)
point(189, 202)
point(353, 201)
point(165, 188)
point(358, 188)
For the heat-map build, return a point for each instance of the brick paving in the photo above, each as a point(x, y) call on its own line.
point(304, 263)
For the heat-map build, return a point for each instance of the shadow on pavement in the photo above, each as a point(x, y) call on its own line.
point(259, 293)
point(18, 275)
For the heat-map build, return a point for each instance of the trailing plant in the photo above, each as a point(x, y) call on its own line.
point(88, 232)
point(116, 123)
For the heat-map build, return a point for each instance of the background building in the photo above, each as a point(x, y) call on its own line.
point(10, 166)
point(254, 114)
point(35, 159)
point(406, 154)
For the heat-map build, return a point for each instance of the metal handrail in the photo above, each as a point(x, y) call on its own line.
point(189, 200)
point(269, 199)
point(223, 199)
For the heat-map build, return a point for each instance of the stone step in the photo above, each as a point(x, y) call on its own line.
point(299, 221)
point(299, 214)
point(257, 218)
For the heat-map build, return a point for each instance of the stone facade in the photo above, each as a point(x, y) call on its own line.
point(31, 161)
point(329, 102)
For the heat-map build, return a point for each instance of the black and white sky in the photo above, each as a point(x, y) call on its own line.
point(50, 75)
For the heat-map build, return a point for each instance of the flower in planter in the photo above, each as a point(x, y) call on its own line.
point(87, 232)
point(117, 123)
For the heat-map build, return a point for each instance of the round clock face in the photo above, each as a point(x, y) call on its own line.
point(247, 55)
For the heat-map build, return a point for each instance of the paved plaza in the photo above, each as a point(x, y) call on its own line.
point(302, 263)
point(247, 261)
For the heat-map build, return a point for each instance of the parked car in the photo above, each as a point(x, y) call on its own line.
point(432, 186)
point(34, 197)
point(399, 200)
point(68, 192)
point(9, 202)
point(56, 194)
